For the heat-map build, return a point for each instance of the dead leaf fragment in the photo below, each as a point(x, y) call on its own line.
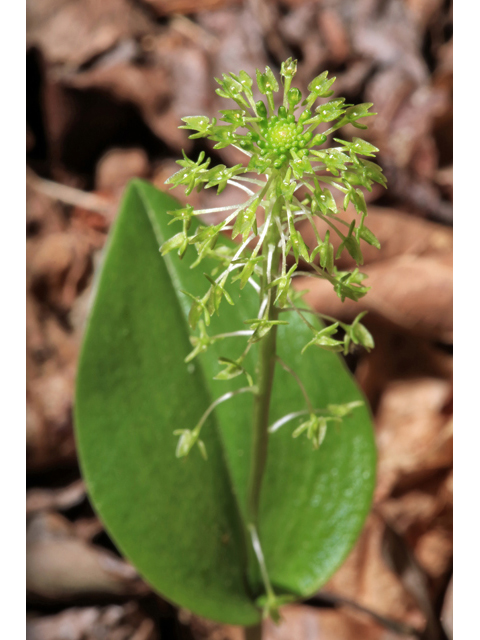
point(71, 33)
point(413, 436)
point(61, 566)
point(55, 499)
point(115, 622)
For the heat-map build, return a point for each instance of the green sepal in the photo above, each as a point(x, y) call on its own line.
point(230, 88)
point(324, 199)
point(185, 214)
point(288, 69)
point(201, 124)
point(283, 287)
point(205, 240)
point(188, 438)
point(216, 292)
point(294, 96)
point(232, 370)
point(348, 285)
point(219, 175)
point(298, 245)
point(261, 109)
point(261, 327)
point(198, 307)
point(267, 83)
point(334, 159)
point(358, 334)
point(344, 410)
point(369, 237)
point(191, 175)
point(324, 340)
point(224, 136)
point(247, 270)
point(359, 146)
point(246, 83)
point(236, 117)
point(329, 111)
point(351, 244)
point(287, 186)
point(300, 164)
point(355, 112)
point(318, 140)
point(199, 343)
point(319, 88)
point(259, 164)
point(325, 253)
point(373, 172)
point(178, 241)
point(246, 221)
point(316, 428)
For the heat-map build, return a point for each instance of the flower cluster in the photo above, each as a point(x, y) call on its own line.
point(284, 149)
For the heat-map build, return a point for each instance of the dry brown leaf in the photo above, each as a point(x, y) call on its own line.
point(55, 499)
point(334, 33)
point(297, 622)
point(62, 566)
point(115, 622)
point(203, 629)
point(434, 551)
point(43, 215)
point(149, 88)
point(401, 560)
point(348, 624)
point(423, 516)
point(444, 178)
point(87, 528)
point(57, 265)
point(447, 611)
point(413, 435)
point(169, 7)
point(398, 355)
point(50, 438)
point(365, 578)
point(424, 10)
point(118, 166)
point(414, 120)
point(71, 33)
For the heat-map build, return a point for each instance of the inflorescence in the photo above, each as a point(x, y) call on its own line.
point(282, 147)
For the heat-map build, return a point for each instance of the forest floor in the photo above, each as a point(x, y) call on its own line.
point(107, 85)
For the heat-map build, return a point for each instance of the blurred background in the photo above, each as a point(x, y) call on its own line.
point(107, 84)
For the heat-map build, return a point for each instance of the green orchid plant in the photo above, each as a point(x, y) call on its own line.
point(289, 178)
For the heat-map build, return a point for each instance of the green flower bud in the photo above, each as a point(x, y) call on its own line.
point(288, 68)
point(261, 109)
point(294, 96)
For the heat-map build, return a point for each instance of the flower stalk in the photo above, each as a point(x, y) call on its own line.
point(265, 370)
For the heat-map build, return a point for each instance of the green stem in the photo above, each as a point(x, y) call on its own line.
point(265, 373)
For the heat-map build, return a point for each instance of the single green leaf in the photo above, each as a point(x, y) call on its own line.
point(181, 522)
